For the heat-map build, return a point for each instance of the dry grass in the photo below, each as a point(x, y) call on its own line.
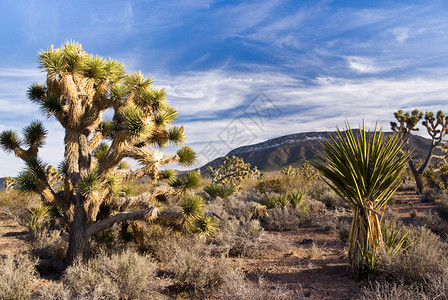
point(236, 286)
point(189, 263)
point(125, 275)
point(425, 256)
point(16, 277)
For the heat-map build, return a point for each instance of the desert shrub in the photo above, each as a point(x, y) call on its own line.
point(49, 244)
point(332, 200)
point(417, 271)
point(219, 190)
point(125, 275)
point(270, 201)
point(188, 261)
point(328, 220)
point(391, 217)
point(435, 287)
point(235, 207)
point(85, 281)
point(272, 185)
point(16, 203)
point(442, 210)
point(436, 195)
point(52, 291)
point(282, 219)
point(236, 286)
point(16, 276)
point(436, 224)
point(292, 198)
point(240, 238)
point(425, 257)
point(390, 291)
point(344, 231)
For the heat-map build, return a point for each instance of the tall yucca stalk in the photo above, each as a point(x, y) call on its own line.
point(364, 170)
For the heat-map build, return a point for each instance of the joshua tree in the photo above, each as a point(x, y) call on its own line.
point(79, 89)
point(364, 171)
point(232, 172)
point(9, 184)
point(437, 128)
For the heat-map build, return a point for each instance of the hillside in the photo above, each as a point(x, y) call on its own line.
point(294, 150)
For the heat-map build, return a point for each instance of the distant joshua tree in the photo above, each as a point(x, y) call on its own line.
point(79, 89)
point(9, 184)
point(437, 128)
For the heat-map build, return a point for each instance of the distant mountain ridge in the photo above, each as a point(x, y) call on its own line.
point(295, 149)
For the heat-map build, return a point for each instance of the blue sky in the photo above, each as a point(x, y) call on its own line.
point(239, 71)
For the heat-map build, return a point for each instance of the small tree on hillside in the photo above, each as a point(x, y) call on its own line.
point(78, 90)
point(232, 172)
point(437, 128)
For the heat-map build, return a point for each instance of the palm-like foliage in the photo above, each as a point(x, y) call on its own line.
point(365, 171)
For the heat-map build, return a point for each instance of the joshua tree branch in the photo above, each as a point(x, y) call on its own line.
point(148, 213)
point(145, 199)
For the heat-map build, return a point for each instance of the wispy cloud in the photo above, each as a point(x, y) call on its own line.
point(363, 65)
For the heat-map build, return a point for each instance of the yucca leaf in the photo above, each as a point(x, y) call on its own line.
point(187, 156)
point(176, 135)
point(35, 134)
point(115, 70)
point(137, 126)
point(117, 93)
point(192, 180)
point(169, 175)
point(165, 117)
point(51, 105)
point(96, 68)
point(9, 140)
point(364, 170)
point(28, 182)
point(136, 83)
point(52, 62)
point(113, 184)
point(75, 61)
point(62, 168)
point(100, 152)
point(206, 225)
point(123, 165)
point(36, 92)
point(192, 206)
point(106, 128)
point(89, 183)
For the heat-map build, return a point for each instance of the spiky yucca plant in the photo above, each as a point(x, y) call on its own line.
point(79, 89)
point(364, 170)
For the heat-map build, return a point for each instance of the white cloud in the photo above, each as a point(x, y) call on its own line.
point(401, 34)
point(363, 65)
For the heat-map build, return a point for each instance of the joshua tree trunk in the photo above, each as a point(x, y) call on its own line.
point(78, 238)
point(417, 177)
